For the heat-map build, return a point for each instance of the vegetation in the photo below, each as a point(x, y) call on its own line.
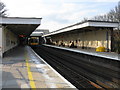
point(2, 10)
point(112, 16)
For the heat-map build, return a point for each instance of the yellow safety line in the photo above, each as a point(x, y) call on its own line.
point(32, 83)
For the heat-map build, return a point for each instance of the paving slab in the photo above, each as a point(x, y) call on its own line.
point(23, 68)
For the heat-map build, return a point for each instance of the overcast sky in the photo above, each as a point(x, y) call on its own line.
point(57, 14)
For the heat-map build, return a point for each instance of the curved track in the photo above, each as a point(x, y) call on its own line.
point(83, 71)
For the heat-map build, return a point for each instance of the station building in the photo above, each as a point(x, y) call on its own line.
point(14, 31)
point(87, 35)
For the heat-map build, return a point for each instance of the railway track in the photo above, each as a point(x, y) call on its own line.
point(83, 72)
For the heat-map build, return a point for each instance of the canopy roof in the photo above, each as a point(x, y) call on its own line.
point(20, 26)
point(83, 25)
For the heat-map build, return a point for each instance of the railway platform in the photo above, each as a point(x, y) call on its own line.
point(109, 55)
point(23, 68)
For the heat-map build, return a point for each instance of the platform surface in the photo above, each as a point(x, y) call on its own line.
point(22, 68)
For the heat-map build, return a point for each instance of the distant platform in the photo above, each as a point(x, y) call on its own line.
point(109, 55)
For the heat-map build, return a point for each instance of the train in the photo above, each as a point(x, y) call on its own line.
point(35, 41)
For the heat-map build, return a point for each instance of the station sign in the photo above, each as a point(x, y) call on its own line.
point(22, 35)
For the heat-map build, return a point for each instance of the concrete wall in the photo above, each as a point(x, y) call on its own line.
point(89, 39)
point(10, 40)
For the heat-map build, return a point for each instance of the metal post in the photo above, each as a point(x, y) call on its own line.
point(112, 40)
point(119, 25)
point(1, 41)
point(118, 38)
point(107, 36)
point(1, 54)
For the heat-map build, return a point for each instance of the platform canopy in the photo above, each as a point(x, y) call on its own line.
point(40, 32)
point(20, 26)
point(82, 26)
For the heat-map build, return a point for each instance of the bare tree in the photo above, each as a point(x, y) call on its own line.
point(117, 17)
point(2, 10)
point(112, 15)
point(117, 12)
